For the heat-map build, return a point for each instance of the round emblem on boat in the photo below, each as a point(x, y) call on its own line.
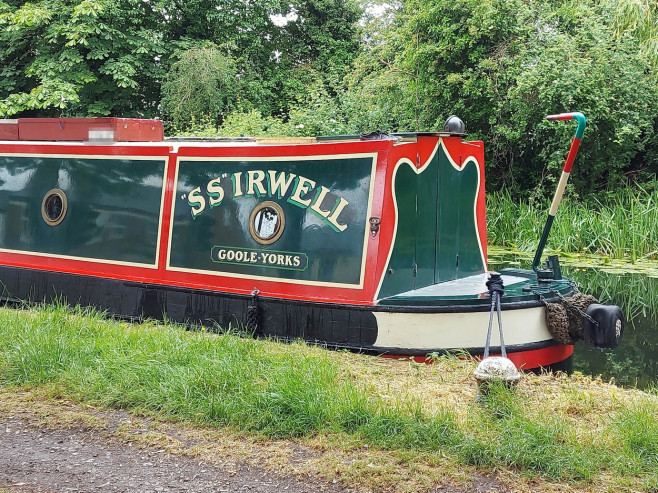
point(267, 222)
point(53, 207)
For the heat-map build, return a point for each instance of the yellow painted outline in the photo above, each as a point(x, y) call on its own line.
point(320, 157)
point(165, 159)
point(419, 171)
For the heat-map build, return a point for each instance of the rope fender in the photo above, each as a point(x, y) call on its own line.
point(565, 318)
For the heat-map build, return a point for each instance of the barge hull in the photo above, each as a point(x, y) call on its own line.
point(351, 243)
point(397, 331)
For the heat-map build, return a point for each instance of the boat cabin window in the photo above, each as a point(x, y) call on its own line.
point(53, 207)
point(267, 222)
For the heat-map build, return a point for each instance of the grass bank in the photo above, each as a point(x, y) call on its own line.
point(620, 225)
point(418, 420)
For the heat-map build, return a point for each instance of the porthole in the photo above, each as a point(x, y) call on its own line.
point(53, 207)
point(266, 223)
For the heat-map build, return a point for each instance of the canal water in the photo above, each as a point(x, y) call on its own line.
point(634, 363)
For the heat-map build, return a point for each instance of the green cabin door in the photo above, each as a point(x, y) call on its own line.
point(436, 238)
point(458, 252)
point(412, 262)
point(427, 207)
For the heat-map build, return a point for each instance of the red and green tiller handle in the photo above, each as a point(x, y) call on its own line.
point(557, 198)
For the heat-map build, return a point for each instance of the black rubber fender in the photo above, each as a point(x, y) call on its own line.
point(606, 333)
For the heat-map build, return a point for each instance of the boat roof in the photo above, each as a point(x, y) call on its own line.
point(150, 132)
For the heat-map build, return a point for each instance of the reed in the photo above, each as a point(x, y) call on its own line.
point(292, 390)
point(622, 224)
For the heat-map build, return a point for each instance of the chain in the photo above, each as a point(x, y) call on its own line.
point(580, 312)
point(253, 314)
point(574, 287)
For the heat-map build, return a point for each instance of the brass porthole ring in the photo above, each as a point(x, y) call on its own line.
point(266, 222)
point(54, 206)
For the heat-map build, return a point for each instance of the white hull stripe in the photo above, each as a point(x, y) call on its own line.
point(459, 330)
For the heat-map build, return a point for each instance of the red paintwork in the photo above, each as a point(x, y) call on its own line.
point(571, 157)
point(77, 129)
point(378, 247)
point(536, 358)
point(8, 129)
point(419, 154)
point(382, 206)
point(524, 360)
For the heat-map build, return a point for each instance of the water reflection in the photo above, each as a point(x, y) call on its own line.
point(635, 362)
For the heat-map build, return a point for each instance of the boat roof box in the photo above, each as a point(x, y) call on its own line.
point(84, 129)
point(8, 129)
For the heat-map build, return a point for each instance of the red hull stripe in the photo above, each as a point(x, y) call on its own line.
point(525, 360)
point(536, 358)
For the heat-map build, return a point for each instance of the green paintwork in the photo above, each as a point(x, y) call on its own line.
point(458, 250)
point(516, 293)
point(427, 210)
point(436, 236)
point(399, 276)
point(113, 207)
point(324, 252)
point(582, 123)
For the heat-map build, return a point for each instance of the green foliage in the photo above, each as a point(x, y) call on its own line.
point(638, 431)
point(618, 224)
point(317, 113)
point(637, 18)
point(521, 439)
point(322, 36)
point(308, 68)
point(201, 83)
point(291, 390)
point(502, 66)
point(93, 57)
point(97, 57)
point(252, 123)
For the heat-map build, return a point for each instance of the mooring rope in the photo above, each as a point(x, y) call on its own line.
point(253, 315)
point(496, 289)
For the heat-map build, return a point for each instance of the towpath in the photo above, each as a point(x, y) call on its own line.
point(78, 460)
point(47, 446)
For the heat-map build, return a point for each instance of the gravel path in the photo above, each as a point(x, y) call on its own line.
point(56, 445)
point(43, 460)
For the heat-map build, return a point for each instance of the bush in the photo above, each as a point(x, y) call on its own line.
point(502, 66)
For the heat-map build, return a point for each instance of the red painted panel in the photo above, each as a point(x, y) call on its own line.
point(377, 248)
point(524, 360)
point(230, 284)
point(537, 358)
point(77, 129)
point(571, 157)
point(8, 129)
point(289, 290)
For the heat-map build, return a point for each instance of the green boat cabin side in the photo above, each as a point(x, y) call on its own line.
point(363, 220)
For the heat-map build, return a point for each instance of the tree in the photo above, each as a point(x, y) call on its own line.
point(502, 66)
point(104, 57)
point(201, 84)
point(89, 57)
point(318, 39)
point(639, 18)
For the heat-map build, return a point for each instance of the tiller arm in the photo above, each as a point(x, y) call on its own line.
point(557, 198)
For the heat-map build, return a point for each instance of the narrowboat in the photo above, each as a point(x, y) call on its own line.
point(374, 243)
